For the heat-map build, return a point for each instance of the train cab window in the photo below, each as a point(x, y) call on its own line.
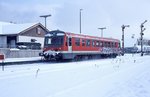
point(77, 41)
point(49, 41)
point(83, 42)
point(87, 42)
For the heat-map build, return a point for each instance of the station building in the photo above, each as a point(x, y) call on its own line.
point(11, 34)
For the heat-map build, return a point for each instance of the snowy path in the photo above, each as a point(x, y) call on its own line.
point(121, 77)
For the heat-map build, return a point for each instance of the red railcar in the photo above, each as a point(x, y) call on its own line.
point(61, 45)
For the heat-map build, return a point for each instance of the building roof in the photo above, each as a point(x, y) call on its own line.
point(10, 28)
point(2, 24)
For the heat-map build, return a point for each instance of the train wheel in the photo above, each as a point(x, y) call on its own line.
point(46, 57)
point(59, 59)
point(76, 58)
point(90, 57)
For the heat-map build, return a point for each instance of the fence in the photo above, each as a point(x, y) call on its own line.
point(16, 53)
point(22, 45)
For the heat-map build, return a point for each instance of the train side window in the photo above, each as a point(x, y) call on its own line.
point(77, 41)
point(113, 44)
point(101, 44)
point(105, 44)
point(83, 42)
point(108, 44)
point(116, 44)
point(97, 43)
point(87, 42)
point(70, 41)
point(93, 43)
point(119, 45)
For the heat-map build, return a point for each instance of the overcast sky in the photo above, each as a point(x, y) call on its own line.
point(111, 14)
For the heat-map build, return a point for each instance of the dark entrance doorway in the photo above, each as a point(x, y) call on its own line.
point(11, 41)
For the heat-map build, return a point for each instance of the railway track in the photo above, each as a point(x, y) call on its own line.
point(21, 62)
point(32, 62)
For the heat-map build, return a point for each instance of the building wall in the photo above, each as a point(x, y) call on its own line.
point(37, 31)
point(3, 41)
point(28, 39)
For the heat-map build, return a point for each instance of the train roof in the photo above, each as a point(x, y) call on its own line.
point(91, 37)
point(85, 36)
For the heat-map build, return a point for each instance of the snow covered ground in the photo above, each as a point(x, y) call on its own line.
point(124, 76)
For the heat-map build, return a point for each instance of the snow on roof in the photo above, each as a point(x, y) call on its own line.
point(9, 28)
point(3, 24)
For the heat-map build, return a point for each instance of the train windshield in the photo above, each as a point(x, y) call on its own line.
point(54, 39)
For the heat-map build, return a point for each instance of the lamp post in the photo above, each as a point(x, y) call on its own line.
point(102, 30)
point(80, 19)
point(45, 17)
point(141, 33)
point(134, 45)
point(133, 35)
point(123, 27)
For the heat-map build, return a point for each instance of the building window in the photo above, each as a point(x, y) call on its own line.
point(38, 31)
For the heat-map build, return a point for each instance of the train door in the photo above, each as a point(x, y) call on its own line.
point(69, 44)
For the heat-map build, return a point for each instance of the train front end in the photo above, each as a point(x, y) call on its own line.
point(53, 45)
